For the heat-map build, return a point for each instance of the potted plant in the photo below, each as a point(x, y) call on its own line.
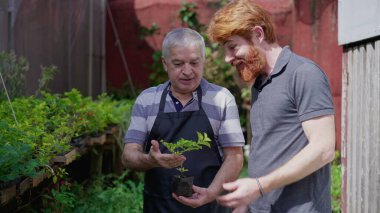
point(182, 185)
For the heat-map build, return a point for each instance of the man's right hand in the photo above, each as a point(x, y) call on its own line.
point(164, 160)
point(242, 193)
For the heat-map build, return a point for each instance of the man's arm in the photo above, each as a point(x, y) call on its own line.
point(320, 133)
point(229, 171)
point(320, 151)
point(134, 158)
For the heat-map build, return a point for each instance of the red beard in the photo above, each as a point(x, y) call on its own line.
point(253, 63)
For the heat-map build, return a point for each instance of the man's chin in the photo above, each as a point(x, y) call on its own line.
point(249, 81)
point(247, 76)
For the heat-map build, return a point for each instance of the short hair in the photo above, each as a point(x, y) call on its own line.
point(239, 17)
point(182, 37)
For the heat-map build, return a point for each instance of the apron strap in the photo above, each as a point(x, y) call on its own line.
point(199, 93)
point(163, 99)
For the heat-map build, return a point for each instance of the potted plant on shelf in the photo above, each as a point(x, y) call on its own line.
point(182, 185)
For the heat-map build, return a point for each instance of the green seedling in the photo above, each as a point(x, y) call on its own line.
point(183, 145)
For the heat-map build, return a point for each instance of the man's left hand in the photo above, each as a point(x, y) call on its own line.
point(200, 197)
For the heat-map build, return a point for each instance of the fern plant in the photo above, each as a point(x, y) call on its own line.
point(184, 145)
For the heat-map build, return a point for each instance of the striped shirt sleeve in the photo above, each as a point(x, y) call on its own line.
point(137, 131)
point(230, 133)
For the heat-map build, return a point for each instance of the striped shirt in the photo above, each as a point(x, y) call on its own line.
point(217, 102)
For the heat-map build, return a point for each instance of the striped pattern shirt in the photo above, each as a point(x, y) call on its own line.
point(217, 102)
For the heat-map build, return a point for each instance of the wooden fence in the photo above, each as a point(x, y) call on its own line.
point(361, 128)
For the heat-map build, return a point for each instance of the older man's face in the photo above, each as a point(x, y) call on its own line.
point(185, 68)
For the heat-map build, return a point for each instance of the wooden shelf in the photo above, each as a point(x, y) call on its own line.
point(112, 130)
point(7, 194)
point(97, 140)
point(67, 158)
point(38, 179)
point(105, 142)
point(24, 185)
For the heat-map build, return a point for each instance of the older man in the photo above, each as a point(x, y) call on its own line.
point(179, 108)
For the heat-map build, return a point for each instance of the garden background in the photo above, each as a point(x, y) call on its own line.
point(71, 70)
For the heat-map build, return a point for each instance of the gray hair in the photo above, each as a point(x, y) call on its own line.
point(182, 37)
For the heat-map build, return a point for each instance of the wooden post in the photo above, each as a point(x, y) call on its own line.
point(96, 160)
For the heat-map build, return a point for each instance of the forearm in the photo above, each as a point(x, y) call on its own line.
point(229, 171)
point(134, 158)
point(303, 164)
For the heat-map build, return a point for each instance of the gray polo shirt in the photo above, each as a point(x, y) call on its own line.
point(297, 90)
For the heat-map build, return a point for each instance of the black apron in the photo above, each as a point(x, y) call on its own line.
point(202, 164)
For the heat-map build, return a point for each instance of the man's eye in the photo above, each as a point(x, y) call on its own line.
point(232, 47)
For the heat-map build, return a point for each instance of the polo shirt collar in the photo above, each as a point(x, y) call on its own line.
point(204, 86)
point(281, 62)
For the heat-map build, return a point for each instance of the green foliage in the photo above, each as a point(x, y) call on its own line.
point(16, 160)
point(223, 2)
point(188, 16)
point(122, 93)
point(246, 94)
point(13, 70)
point(336, 183)
point(46, 76)
point(159, 75)
point(144, 31)
point(103, 194)
point(336, 187)
point(62, 200)
point(183, 145)
point(46, 126)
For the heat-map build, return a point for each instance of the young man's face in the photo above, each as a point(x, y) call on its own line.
point(185, 68)
point(247, 59)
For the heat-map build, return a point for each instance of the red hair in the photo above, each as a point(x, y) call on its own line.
point(239, 17)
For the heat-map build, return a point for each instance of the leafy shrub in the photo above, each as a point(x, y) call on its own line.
point(103, 194)
point(13, 69)
point(46, 125)
point(16, 160)
point(336, 184)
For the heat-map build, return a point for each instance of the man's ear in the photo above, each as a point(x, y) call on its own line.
point(164, 64)
point(258, 34)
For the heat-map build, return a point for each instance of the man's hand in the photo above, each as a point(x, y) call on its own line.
point(164, 160)
point(243, 192)
point(200, 197)
point(241, 209)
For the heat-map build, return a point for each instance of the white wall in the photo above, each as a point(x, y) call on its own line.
point(358, 20)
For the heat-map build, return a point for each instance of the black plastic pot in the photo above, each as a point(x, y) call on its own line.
point(182, 186)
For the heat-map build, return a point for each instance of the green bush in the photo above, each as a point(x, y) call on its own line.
point(104, 194)
point(44, 127)
point(336, 184)
point(12, 70)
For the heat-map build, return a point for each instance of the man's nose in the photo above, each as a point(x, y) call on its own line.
point(186, 68)
point(228, 58)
